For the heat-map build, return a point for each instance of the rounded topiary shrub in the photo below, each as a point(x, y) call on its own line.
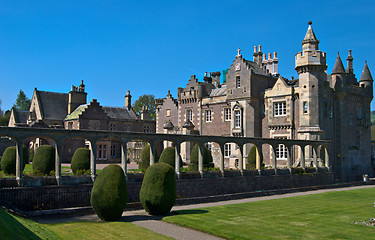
point(8, 160)
point(80, 160)
point(168, 156)
point(31, 154)
point(44, 160)
point(109, 193)
point(158, 191)
point(207, 158)
point(251, 158)
point(145, 158)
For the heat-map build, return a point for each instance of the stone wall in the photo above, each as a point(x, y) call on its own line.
point(190, 185)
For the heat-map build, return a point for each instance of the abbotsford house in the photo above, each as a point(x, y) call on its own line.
point(252, 99)
point(71, 111)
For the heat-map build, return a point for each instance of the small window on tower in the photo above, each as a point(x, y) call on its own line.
point(305, 107)
point(238, 82)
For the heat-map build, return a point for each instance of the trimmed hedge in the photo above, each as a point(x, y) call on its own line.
point(44, 159)
point(158, 191)
point(8, 160)
point(109, 193)
point(251, 158)
point(80, 160)
point(145, 158)
point(207, 158)
point(168, 156)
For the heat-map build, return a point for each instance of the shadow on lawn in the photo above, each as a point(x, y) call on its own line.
point(134, 218)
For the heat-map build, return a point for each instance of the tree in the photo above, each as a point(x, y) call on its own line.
point(22, 102)
point(1, 111)
point(4, 120)
point(145, 100)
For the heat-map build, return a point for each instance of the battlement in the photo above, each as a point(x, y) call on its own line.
point(310, 58)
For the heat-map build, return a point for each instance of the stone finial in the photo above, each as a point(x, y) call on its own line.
point(169, 94)
point(309, 22)
point(239, 52)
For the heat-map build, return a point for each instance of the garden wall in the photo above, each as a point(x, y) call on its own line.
point(188, 186)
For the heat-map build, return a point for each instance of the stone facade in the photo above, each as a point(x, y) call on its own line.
point(253, 100)
point(71, 111)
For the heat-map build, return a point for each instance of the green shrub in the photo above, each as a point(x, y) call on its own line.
point(207, 158)
point(44, 159)
point(145, 158)
point(8, 160)
point(168, 156)
point(109, 193)
point(31, 154)
point(158, 191)
point(80, 161)
point(251, 158)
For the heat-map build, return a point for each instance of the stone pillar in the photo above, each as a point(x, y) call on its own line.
point(177, 159)
point(124, 157)
point(152, 153)
point(19, 156)
point(289, 157)
point(240, 157)
point(315, 159)
point(259, 156)
point(200, 158)
point(58, 161)
point(221, 159)
point(93, 159)
point(327, 159)
point(302, 156)
point(273, 157)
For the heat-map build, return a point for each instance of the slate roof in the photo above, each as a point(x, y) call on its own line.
point(255, 67)
point(366, 75)
point(338, 67)
point(78, 111)
point(53, 106)
point(20, 116)
point(119, 113)
point(217, 92)
point(310, 35)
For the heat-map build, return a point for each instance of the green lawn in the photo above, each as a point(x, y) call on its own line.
point(321, 216)
point(19, 228)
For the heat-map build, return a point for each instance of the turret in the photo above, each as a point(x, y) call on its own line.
point(311, 68)
point(77, 97)
point(366, 80)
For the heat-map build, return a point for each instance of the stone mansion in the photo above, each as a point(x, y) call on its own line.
point(71, 111)
point(251, 99)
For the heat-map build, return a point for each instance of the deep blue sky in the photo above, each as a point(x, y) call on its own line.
point(149, 47)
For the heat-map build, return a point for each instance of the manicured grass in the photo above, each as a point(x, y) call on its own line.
point(19, 228)
point(102, 230)
point(12, 227)
point(321, 216)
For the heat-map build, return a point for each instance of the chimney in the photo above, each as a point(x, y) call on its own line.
point(77, 97)
point(349, 60)
point(128, 100)
point(255, 55)
point(145, 114)
point(275, 63)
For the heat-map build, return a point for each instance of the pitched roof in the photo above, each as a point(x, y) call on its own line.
point(366, 75)
point(216, 92)
point(338, 67)
point(78, 111)
point(20, 116)
point(119, 113)
point(310, 35)
point(255, 67)
point(54, 106)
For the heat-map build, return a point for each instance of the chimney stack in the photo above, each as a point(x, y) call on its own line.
point(128, 100)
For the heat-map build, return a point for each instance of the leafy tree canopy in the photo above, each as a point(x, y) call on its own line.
point(4, 120)
point(22, 102)
point(145, 100)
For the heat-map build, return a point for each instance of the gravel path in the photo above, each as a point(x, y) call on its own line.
point(154, 223)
